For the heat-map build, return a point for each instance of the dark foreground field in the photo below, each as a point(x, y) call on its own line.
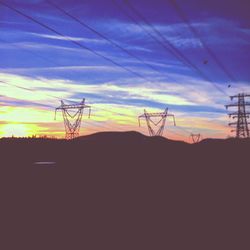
point(124, 191)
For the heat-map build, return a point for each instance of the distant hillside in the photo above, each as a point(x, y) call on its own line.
point(126, 137)
point(30, 148)
point(124, 191)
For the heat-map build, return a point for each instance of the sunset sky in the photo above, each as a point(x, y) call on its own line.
point(123, 57)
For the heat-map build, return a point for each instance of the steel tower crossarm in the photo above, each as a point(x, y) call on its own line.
point(242, 114)
point(72, 121)
point(161, 122)
point(237, 96)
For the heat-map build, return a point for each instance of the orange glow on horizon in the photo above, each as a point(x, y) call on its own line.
point(29, 121)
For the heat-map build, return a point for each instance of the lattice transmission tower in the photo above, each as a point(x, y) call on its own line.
point(72, 116)
point(159, 124)
point(195, 137)
point(241, 115)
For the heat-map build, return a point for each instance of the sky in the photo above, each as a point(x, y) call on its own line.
point(122, 56)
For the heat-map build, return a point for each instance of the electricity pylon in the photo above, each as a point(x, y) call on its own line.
point(242, 130)
point(72, 116)
point(160, 124)
point(195, 137)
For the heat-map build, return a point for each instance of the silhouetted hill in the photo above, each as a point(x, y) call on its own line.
point(124, 191)
point(125, 136)
point(232, 141)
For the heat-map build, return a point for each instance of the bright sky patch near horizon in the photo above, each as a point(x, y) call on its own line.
point(123, 57)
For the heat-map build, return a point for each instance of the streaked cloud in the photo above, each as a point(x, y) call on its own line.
point(31, 88)
point(113, 104)
point(66, 38)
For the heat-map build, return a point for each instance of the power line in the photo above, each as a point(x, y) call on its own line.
point(58, 98)
point(93, 106)
point(67, 38)
point(83, 24)
point(114, 112)
point(49, 106)
point(195, 32)
point(142, 27)
point(101, 126)
point(174, 51)
point(44, 58)
point(26, 89)
point(97, 123)
point(158, 41)
point(72, 41)
point(28, 51)
point(47, 27)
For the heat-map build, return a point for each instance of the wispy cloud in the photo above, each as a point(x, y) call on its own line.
point(64, 68)
point(113, 103)
point(179, 33)
point(36, 45)
point(188, 92)
point(66, 38)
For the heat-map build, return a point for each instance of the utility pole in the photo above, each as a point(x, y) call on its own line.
point(72, 116)
point(195, 137)
point(241, 115)
point(160, 124)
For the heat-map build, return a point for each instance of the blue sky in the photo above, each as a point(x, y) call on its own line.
point(182, 56)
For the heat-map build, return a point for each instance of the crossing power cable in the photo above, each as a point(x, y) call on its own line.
point(113, 43)
point(154, 38)
point(73, 41)
point(184, 17)
point(172, 49)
